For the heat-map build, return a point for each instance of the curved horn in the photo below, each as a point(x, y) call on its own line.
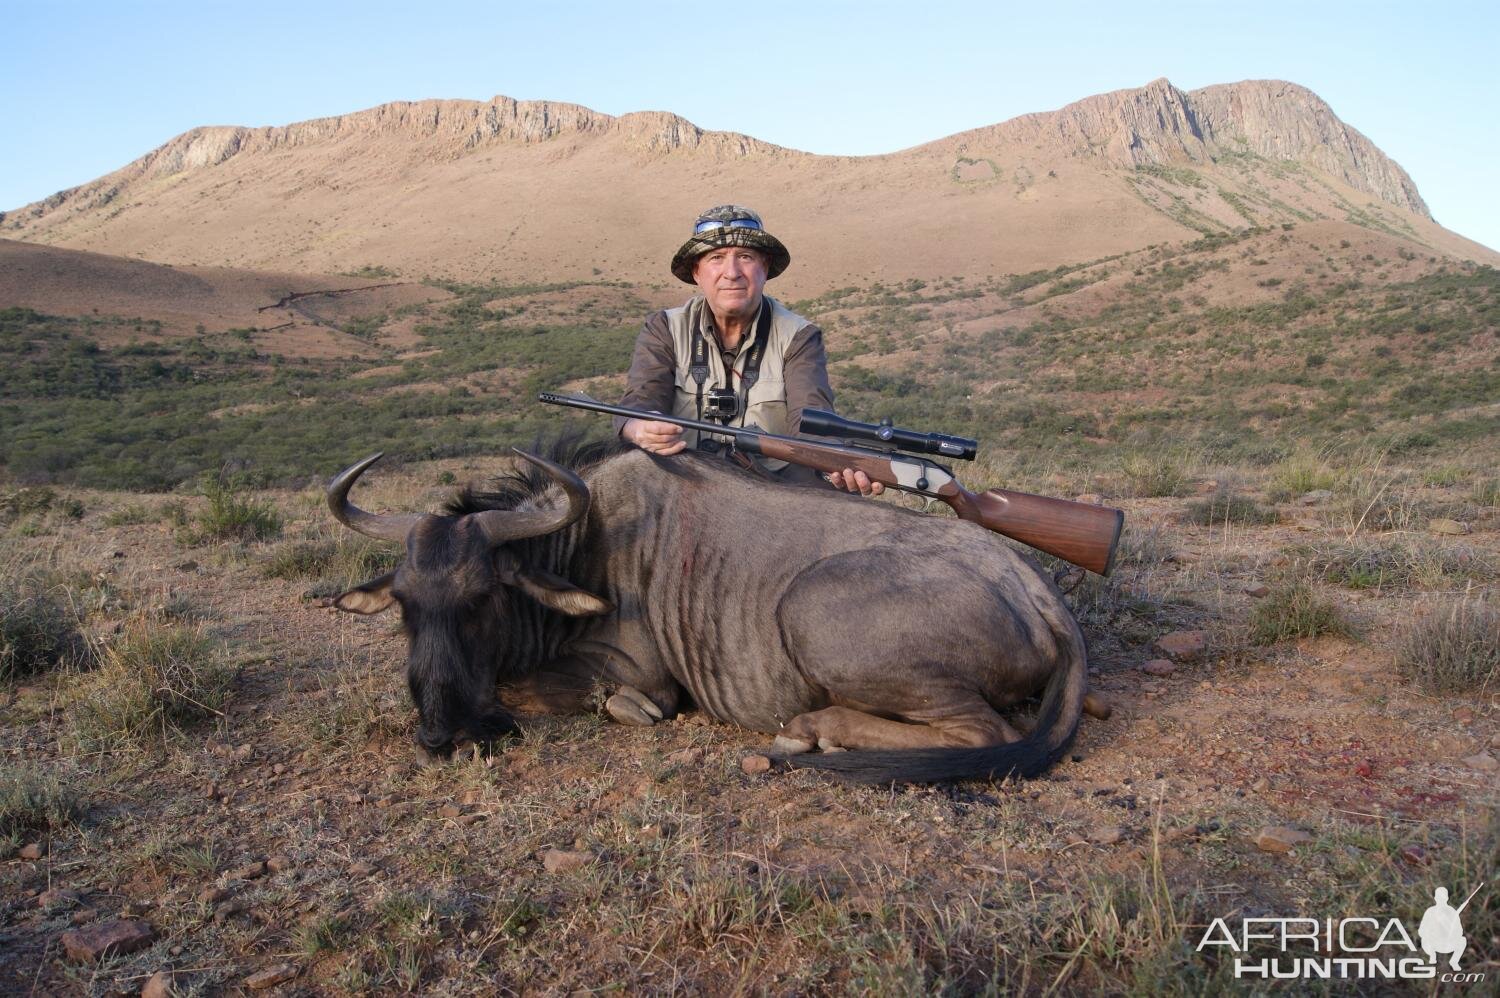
point(385, 527)
point(501, 525)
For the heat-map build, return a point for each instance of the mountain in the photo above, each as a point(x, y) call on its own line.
point(526, 191)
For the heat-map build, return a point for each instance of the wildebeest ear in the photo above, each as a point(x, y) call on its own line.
point(559, 594)
point(369, 597)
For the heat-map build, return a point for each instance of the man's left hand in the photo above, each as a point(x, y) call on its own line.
point(855, 481)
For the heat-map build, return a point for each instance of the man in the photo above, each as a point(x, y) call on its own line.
point(731, 354)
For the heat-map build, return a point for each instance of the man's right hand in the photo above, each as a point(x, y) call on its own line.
point(654, 435)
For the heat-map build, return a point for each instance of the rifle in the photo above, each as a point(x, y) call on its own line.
point(1076, 532)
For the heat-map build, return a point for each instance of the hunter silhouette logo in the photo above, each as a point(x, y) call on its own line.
point(1353, 948)
point(1441, 931)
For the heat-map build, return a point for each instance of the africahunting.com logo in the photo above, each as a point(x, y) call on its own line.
point(1341, 948)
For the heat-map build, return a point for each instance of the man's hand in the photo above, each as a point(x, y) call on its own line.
point(855, 481)
point(654, 435)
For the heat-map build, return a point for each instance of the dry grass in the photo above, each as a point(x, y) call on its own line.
point(34, 800)
point(1452, 645)
point(1296, 610)
point(39, 624)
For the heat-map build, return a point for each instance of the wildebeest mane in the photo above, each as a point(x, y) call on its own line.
point(571, 449)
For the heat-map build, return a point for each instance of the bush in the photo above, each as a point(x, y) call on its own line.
point(335, 565)
point(38, 627)
point(154, 681)
point(1295, 610)
point(1452, 647)
point(232, 515)
point(18, 503)
point(1155, 473)
point(1225, 507)
point(32, 802)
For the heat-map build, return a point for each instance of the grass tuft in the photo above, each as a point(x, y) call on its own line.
point(1295, 610)
point(1453, 646)
point(38, 626)
point(33, 801)
point(156, 679)
point(1225, 507)
point(232, 514)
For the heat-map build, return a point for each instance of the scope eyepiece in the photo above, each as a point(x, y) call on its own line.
point(828, 424)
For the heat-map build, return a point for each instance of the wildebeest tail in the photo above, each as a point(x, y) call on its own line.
point(1057, 722)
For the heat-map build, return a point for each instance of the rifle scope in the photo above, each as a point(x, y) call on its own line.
point(829, 424)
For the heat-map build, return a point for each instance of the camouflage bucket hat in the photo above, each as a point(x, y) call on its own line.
point(729, 225)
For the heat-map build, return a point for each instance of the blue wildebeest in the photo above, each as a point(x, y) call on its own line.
point(830, 621)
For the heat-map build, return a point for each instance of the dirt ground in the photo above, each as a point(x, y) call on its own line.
point(299, 833)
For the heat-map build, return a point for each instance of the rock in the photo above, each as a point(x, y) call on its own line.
point(1452, 528)
point(1281, 839)
point(1182, 646)
point(1414, 855)
point(686, 757)
point(449, 811)
point(112, 938)
point(32, 850)
point(56, 899)
point(83, 916)
point(186, 566)
point(1107, 835)
point(361, 869)
point(250, 871)
point(212, 894)
point(1092, 498)
point(754, 763)
point(271, 976)
point(1258, 591)
point(1484, 762)
point(226, 911)
point(1159, 667)
point(1315, 496)
point(1261, 785)
point(565, 860)
point(160, 986)
point(1182, 558)
point(279, 864)
point(1463, 715)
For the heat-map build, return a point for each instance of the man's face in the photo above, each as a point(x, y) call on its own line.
point(731, 278)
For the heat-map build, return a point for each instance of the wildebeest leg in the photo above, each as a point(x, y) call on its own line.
point(970, 725)
point(571, 684)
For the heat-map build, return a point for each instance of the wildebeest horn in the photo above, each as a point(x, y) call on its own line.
point(385, 526)
point(501, 525)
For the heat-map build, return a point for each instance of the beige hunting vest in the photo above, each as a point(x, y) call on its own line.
point(766, 404)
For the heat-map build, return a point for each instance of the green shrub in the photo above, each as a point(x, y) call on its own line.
point(1151, 474)
point(1225, 507)
point(1295, 610)
point(33, 801)
point(335, 565)
point(29, 501)
point(232, 515)
point(38, 626)
point(155, 680)
point(1452, 646)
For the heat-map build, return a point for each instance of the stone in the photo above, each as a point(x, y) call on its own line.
point(159, 986)
point(1484, 762)
point(1415, 855)
point(1092, 498)
point(279, 864)
point(449, 811)
point(1159, 667)
point(1182, 646)
point(271, 976)
point(565, 860)
point(83, 916)
point(1281, 839)
point(1258, 591)
point(686, 757)
point(1315, 496)
point(1451, 528)
point(361, 869)
point(56, 899)
point(1463, 715)
point(250, 871)
point(32, 851)
point(226, 911)
point(754, 764)
point(104, 939)
point(1107, 835)
point(212, 894)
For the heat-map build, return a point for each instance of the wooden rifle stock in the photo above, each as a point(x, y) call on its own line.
point(1076, 532)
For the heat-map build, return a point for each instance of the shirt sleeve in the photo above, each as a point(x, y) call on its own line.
point(805, 370)
point(651, 381)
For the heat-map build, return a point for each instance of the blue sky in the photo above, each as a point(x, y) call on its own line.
point(87, 87)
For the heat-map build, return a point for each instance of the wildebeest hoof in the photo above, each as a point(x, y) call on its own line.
point(627, 710)
point(784, 746)
point(824, 745)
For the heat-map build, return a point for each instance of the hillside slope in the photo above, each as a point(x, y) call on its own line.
point(539, 191)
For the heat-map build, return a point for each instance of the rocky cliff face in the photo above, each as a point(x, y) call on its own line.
point(1158, 125)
